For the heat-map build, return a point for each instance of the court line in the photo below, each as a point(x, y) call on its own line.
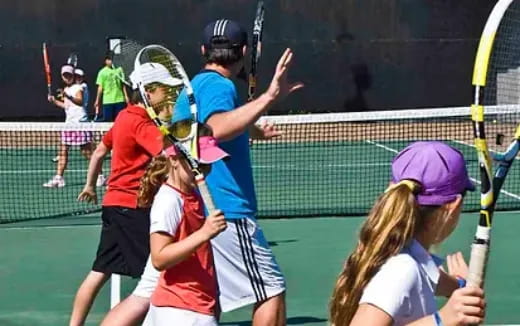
point(382, 146)
point(510, 194)
point(505, 192)
point(472, 145)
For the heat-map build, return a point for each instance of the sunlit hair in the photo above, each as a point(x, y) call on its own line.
point(157, 171)
point(390, 226)
point(155, 175)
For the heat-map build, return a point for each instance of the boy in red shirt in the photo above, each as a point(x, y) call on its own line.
point(134, 140)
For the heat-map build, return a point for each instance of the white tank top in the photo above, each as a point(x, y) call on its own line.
point(73, 113)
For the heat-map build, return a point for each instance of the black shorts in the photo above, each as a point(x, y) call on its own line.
point(124, 244)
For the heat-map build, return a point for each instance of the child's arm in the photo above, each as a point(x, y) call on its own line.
point(125, 93)
point(166, 253)
point(88, 193)
point(99, 94)
point(466, 306)
point(447, 284)
point(457, 273)
point(77, 98)
point(56, 102)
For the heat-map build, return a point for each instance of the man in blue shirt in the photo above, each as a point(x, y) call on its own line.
point(247, 271)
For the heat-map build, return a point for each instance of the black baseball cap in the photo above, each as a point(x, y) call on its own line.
point(109, 55)
point(224, 34)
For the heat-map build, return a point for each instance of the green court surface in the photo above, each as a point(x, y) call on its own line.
point(41, 268)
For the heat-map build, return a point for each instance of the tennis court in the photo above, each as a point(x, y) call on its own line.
point(319, 169)
point(324, 165)
point(42, 267)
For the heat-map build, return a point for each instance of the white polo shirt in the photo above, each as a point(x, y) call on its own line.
point(405, 285)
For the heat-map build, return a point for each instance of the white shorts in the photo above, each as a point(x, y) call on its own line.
point(148, 282)
point(168, 316)
point(247, 271)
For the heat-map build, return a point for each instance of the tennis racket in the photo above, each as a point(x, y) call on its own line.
point(256, 49)
point(181, 131)
point(72, 59)
point(125, 53)
point(495, 81)
point(47, 69)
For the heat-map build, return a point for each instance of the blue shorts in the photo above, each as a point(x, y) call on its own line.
point(110, 111)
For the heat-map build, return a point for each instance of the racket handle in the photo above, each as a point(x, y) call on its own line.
point(204, 192)
point(477, 264)
point(251, 87)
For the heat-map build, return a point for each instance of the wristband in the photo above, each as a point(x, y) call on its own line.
point(437, 318)
point(461, 281)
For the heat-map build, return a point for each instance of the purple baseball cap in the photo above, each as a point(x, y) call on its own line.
point(439, 168)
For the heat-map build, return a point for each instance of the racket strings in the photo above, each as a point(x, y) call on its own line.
point(124, 59)
point(503, 80)
point(169, 69)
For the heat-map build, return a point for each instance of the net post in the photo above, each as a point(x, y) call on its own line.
point(115, 290)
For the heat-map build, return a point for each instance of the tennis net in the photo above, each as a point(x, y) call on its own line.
point(323, 165)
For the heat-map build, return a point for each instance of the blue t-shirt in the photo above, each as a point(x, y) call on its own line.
point(230, 180)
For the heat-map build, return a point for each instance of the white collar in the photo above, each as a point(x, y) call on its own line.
point(426, 261)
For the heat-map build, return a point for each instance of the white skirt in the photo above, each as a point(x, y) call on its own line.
point(169, 316)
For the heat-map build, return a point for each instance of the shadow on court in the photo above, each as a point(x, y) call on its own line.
point(278, 242)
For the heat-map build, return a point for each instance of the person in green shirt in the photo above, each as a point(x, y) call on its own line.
point(111, 89)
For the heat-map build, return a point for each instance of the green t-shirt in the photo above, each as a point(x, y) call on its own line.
point(110, 80)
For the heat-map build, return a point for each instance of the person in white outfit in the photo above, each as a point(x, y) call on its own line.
point(79, 77)
point(72, 104)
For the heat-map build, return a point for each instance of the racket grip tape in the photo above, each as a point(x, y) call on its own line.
point(477, 263)
point(204, 192)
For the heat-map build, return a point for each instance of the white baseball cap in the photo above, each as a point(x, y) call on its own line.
point(152, 72)
point(79, 72)
point(67, 69)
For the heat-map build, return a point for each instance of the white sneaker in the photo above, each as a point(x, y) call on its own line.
point(56, 159)
point(101, 181)
point(56, 182)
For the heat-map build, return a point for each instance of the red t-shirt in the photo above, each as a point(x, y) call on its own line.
point(134, 140)
point(191, 284)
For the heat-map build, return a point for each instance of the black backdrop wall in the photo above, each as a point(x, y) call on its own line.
point(353, 55)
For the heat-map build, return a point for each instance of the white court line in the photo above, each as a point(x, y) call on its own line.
point(510, 194)
point(382, 146)
point(505, 192)
point(472, 145)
